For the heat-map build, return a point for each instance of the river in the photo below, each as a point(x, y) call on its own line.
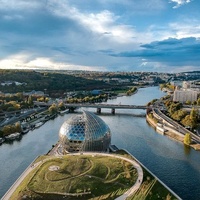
point(178, 167)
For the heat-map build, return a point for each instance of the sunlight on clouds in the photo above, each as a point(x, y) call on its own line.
point(20, 62)
point(12, 61)
point(104, 22)
point(178, 30)
point(180, 2)
point(39, 62)
point(144, 63)
point(187, 29)
point(46, 63)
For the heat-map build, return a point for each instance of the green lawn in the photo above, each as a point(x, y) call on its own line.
point(86, 177)
point(98, 177)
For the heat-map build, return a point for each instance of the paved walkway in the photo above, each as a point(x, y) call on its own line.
point(122, 197)
point(20, 179)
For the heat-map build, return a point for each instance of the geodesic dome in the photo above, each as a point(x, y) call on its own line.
point(86, 132)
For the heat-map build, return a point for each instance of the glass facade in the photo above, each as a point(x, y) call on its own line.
point(86, 132)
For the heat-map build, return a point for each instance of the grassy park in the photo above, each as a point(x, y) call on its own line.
point(87, 177)
point(78, 177)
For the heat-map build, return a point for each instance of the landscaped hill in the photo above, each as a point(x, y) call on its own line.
point(77, 177)
point(92, 177)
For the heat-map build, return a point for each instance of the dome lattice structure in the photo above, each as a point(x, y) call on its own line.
point(86, 132)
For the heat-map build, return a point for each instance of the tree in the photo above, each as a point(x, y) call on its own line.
point(187, 121)
point(187, 139)
point(86, 99)
point(193, 114)
point(179, 115)
point(41, 99)
point(188, 102)
point(1, 133)
point(18, 127)
point(53, 109)
point(30, 100)
point(8, 130)
point(61, 106)
point(20, 96)
point(198, 101)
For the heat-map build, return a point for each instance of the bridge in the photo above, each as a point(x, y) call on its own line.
point(98, 106)
point(113, 107)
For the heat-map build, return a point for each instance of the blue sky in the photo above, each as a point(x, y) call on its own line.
point(103, 35)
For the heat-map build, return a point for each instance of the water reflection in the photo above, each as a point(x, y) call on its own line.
point(187, 150)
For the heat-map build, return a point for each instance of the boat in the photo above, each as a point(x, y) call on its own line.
point(62, 112)
point(13, 136)
point(37, 125)
point(24, 131)
point(2, 140)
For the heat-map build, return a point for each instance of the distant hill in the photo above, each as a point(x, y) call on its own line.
point(50, 81)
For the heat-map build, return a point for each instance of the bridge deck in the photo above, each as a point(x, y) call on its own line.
point(93, 105)
point(111, 106)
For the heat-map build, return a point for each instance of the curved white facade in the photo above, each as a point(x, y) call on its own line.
point(86, 132)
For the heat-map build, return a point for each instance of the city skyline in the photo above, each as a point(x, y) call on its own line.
point(148, 35)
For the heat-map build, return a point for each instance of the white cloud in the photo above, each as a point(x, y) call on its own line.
point(185, 28)
point(180, 2)
point(20, 4)
point(19, 61)
point(104, 22)
point(190, 28)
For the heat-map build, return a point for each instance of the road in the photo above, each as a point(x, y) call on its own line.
point(176, 125)
point(19, 117)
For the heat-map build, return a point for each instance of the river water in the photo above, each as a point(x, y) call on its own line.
point(178, 167)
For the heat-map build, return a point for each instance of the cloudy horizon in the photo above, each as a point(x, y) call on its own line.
point(100, 35)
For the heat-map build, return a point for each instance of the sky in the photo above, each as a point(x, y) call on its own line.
point(100, 35)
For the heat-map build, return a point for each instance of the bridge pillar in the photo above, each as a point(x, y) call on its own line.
point(71, 109)
point(113, 111)
point(148, 110)
point(99, 110)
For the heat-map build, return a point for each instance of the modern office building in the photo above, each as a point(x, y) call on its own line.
point(86, 132)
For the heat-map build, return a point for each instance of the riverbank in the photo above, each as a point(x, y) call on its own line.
point(170, 133)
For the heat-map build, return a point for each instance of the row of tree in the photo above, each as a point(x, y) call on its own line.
point(131, 91)
point(15, 102)
point(88, 99)
point(176, 112)
point(9, 129)
point(168, 86)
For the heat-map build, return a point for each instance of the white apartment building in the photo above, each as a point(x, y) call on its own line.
point(185, 95)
